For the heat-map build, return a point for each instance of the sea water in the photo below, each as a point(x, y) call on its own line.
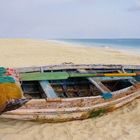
point(129, 45)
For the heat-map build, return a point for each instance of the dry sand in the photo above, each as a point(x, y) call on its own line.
point(122, 124)
point(29, 52)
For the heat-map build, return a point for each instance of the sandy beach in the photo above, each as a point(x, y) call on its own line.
point(122, 124)
point(20, 52)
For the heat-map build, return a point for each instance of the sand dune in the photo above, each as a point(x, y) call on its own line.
point(122, 124)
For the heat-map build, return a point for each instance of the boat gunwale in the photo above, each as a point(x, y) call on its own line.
point(75, 66)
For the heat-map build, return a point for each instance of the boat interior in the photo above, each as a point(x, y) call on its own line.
point(76, 87)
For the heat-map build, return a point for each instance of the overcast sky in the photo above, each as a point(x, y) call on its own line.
point(51, 19)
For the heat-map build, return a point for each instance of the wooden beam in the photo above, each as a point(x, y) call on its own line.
point(96, 82)
point(48, 90)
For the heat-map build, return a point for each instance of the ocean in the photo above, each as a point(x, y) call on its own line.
point(131, 45)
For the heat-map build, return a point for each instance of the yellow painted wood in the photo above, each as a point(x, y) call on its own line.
point(119, 74)
point(9, 91)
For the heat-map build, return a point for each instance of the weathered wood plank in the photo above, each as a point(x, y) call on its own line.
point(99, 85)
point(48, 90)
point(96, 82)
point(75, 66)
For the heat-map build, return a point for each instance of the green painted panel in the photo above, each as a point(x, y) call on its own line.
point(36, 76)
point(82, 74)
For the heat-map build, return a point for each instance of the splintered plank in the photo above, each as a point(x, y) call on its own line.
point(36, 76)
point(48, 90)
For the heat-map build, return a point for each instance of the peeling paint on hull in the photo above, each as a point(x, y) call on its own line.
point(65, 113)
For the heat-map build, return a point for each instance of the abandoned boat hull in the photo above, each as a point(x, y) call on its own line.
point(53, 106)
point(61, 110)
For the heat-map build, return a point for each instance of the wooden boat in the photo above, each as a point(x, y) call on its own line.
point(69, 92)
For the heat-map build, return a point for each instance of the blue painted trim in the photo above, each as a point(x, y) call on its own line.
point(107, 95)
